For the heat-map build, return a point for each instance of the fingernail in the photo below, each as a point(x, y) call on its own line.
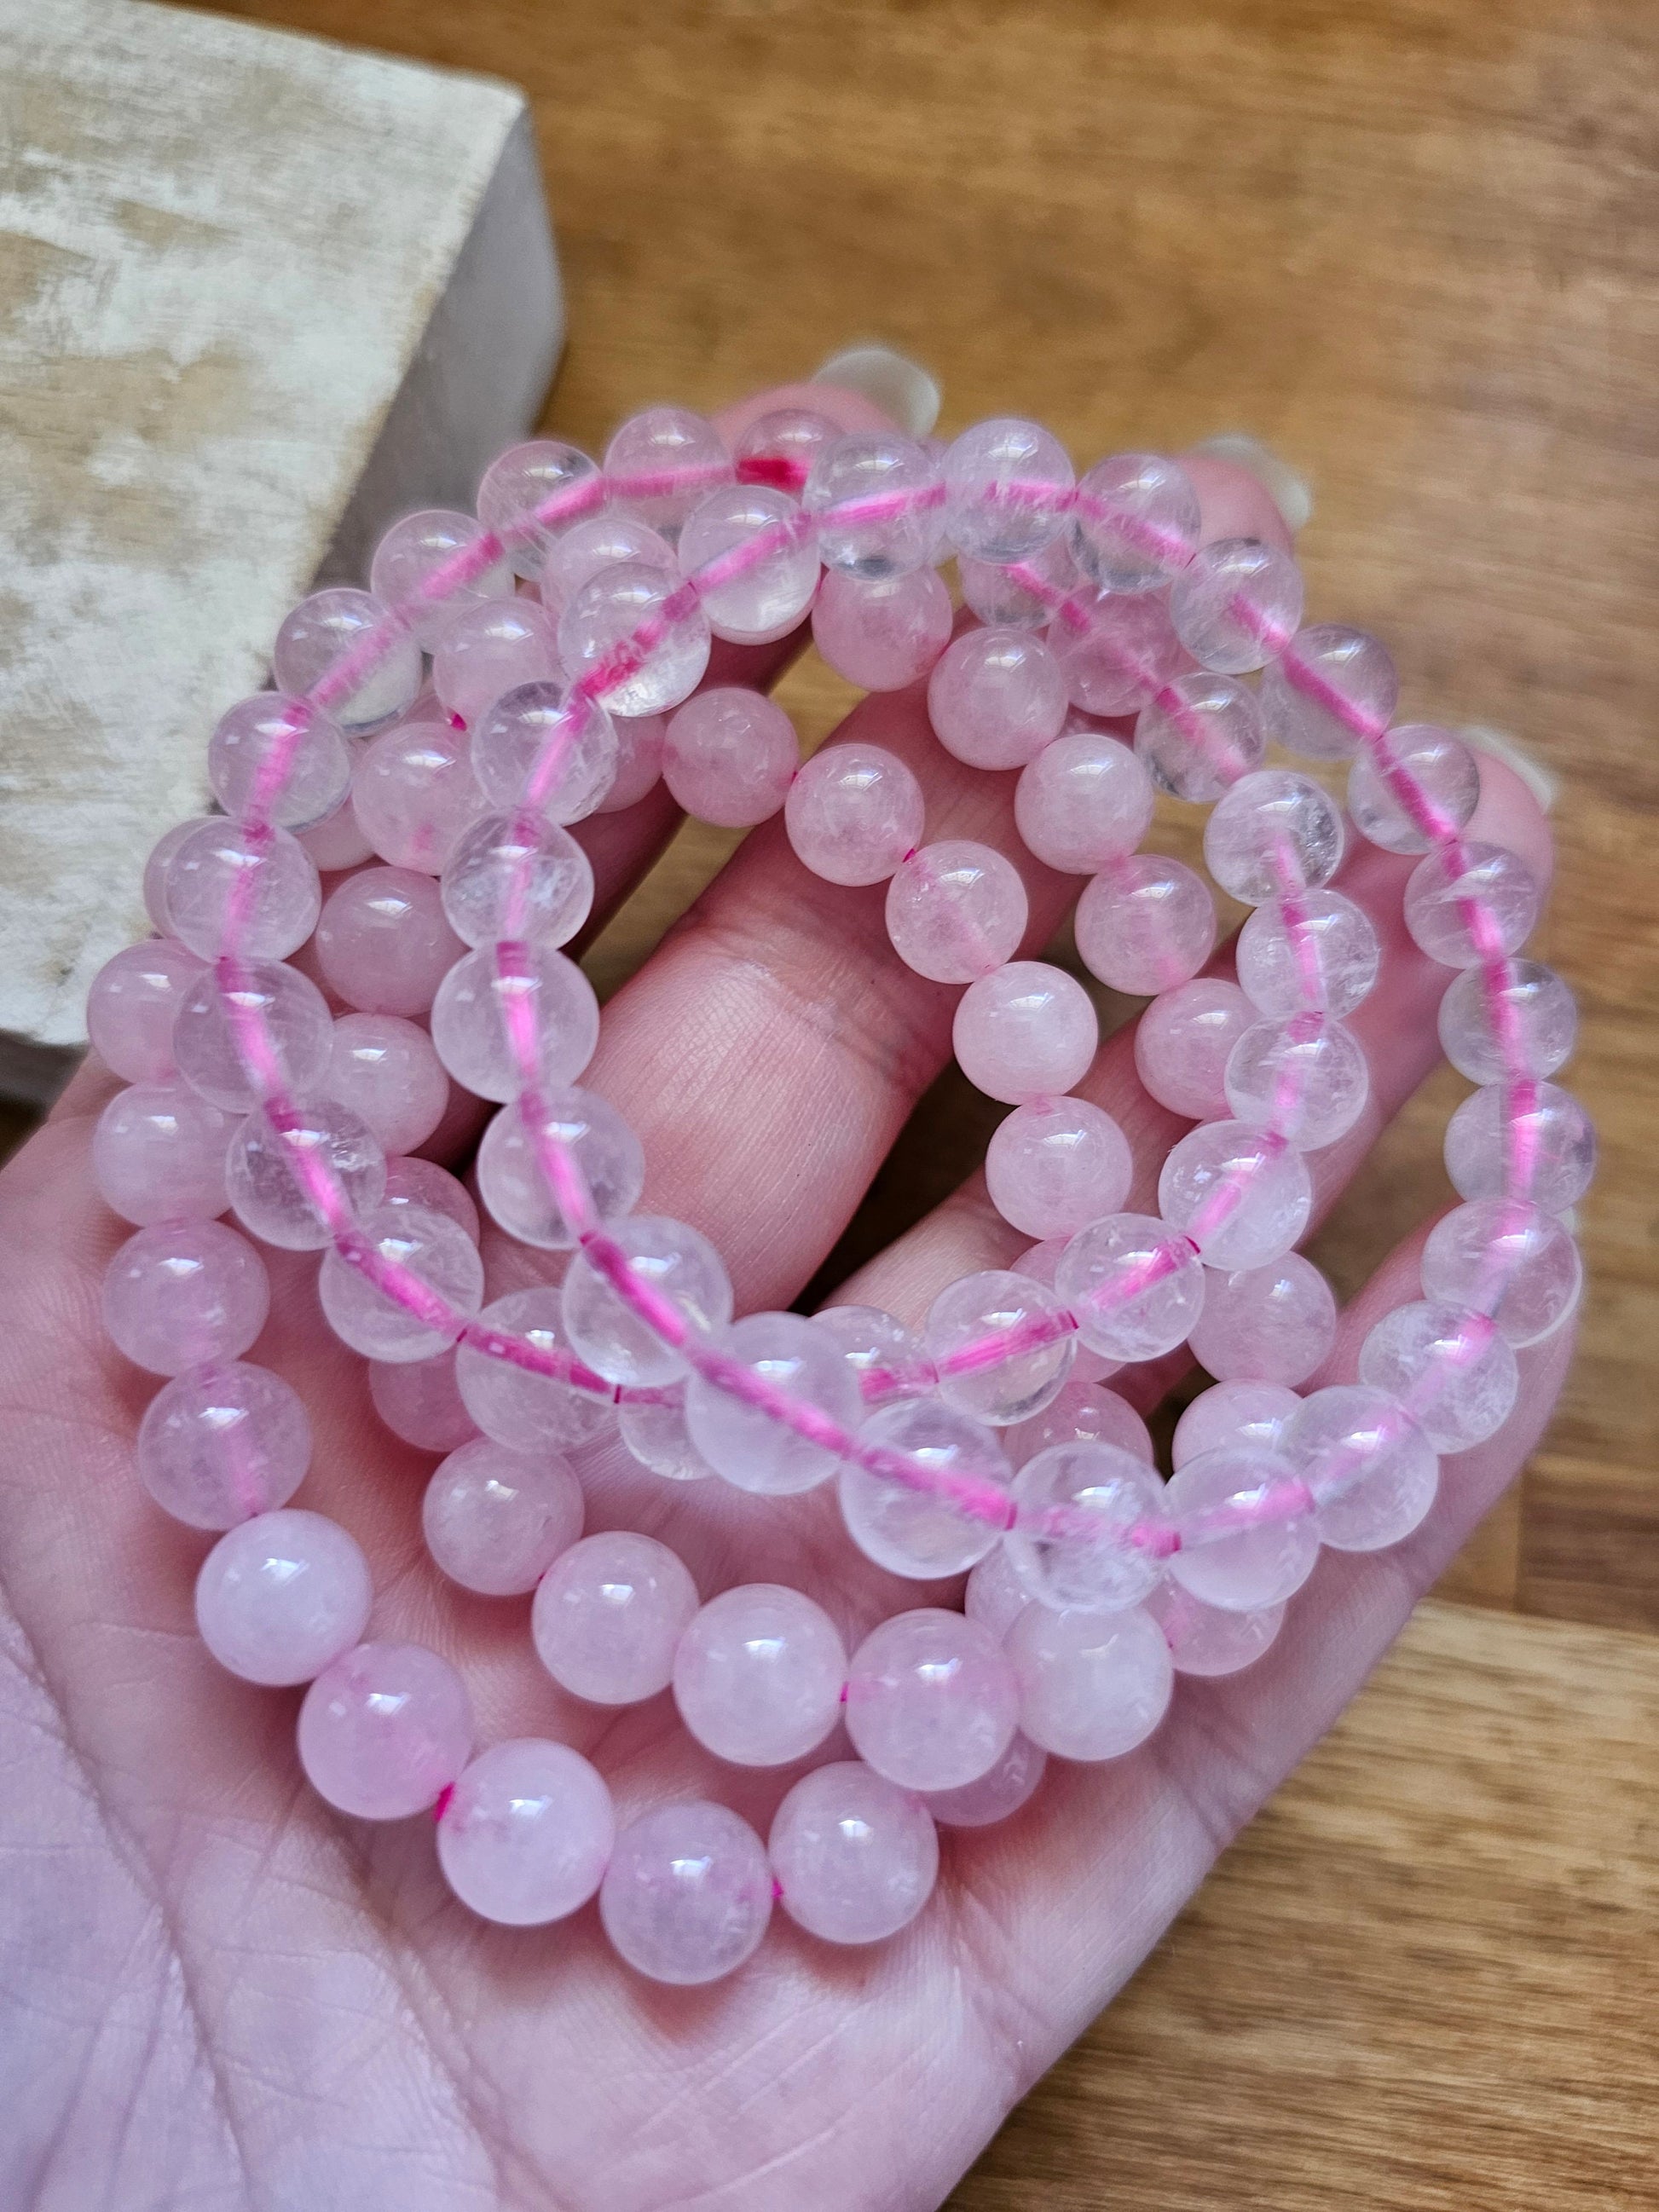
point(901, 388)
point(1543, 783)
point(1288, 488)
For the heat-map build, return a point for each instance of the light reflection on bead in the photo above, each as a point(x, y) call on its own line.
point(1092, 1685)
point(855, 1856)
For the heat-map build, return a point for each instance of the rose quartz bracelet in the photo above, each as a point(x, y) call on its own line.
point(508, 675)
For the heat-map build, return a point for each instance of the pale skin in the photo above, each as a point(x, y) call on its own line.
point(214, 1992)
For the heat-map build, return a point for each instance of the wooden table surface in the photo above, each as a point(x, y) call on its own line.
point(1413, 245)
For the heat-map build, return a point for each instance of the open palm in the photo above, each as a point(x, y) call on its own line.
point(219, 1992)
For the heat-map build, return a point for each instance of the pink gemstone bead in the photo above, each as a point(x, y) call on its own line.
point(1455, 878)
point(1274, 831)
point(517, 875)
point(996, 697)
point(219, 1445)
point(1135, 1289)
point(1307, 1078)
point(383, 943)
point(540, 473)
point(580, 1123)
point(419, 1402)
point(1370, 1466)
point(1327, 962)
point(1543, 1144)
point(1083, 1414)
point(1242, 1195)
point(955, 911)
point(1053, 1167)
point(662, 461)
point(326, 626)
point(855, 1856)
point(1329, 658)
point(1531, 1032)
point(1092, 1685)
point(781, 445)
point(677, 1264)
point(1146, 925)
point(918, 1534)
point(475, 1002)
point(384, 1070)
point(1508, 1259)
point(1182, 1043)
point(1136, 521)
point(156, 867)
point(338, 841)
point(1199, 735)
point(758, 1675)
point(1255, 1414)
point(283, 1597)
point(1237, 604)
point(608, 1615)
point(653, 1430)
point(1248, 1538)
point(158, 1154)
point(1023, 596)
point(213, 1020)
point(602, 542)
point(998, 1795)
point(545, 745)
point(852, 813)
point(492, 649)
point(1042, 1263)
point(877, 1347)
point(1027, 1031)
point(965, 1324)
point(266, 1172)
point(133, 1004)
point(1086, 1514)
point(495, 1520)
point(744, 1442)
point(527, 1833)
point(410, 562)
point(996, 1596)
point(184, 1292)
point(879, 500)
point(687, 1894)
point(1208, 1639)
point(1084, 802)
point(273, 755)
point(1007, 487)
point(770, 595)
point(729, 756)
point(413, 791)
point(433, 1249)
point(1448, 1367)
point(639, 760)
point(1272, 1324)
point(884, 632)
point(603, 633)
point(1443, 768)
point(385, 1731)
point(1117, 652)
point(278, 901)
point(422, 1182)
point(931, 1702)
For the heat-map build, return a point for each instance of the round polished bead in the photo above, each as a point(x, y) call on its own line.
point(338, 841)
point(1467, 901)
point(1242, 1195)
point(487, 650)
point(413, 791)
point(1445, 781)
point(729, 756)
point(780, 447)
point(1083, 1414)
point(745, 1442)
point(996, 697)
point(325, 628)
point(542, 473)
point(1146, 925)
point(1208, 1639)
point(1308, 1078)
point(384, 1070)
point(266, 877)
point(1007, 489)
point(282, 1596)
point(1370, 1466)
point(514, 1404)
point(1137, 522)
point(1237, 604)
point(1027, 1031)
point(1182, 1043)
point(1249, 1536)
point(517, 875)
point(418, 1401)
point(495, 1520)
point(584, 1127)
point(879, 500)
point(852, 813)
point(1117, 651)
point(931, 1702)
point(158, 1154)
point(1042, 1263)
point(854, 1855)
point(955, 911)
point(220, 1444)
point(430, 1247)
point(1273, 832)
point(1086, 1516)
point(1322, 955)
point(639, 760)
point(1023, 596)
point(1333, 688)
point(880, 1351)
point(662, 461)
point(996, 1596)
point(967, 1323)
point(1053, 1167)
point(1272, 1324)
point(758, 1675)
point(1199, 735)
point(918, 1533)
point(269, 1172)
point(1253, 1413)
point(422, 1182)
point(382, 942)
point(687, 1894)
point(180, 1293)
point(1539, 1147)
point(769, 596)
point(285, 1009)
point(599, 542)
point(414, 570)
point(1520, 1020)
point(997, 1796)
point(638, 634)
point(477, 1006)
point(527, 1833)
point(385, 1731)
point(1507, 1258)
point(1448, 1365)
point(155, 871)
point(1135, 1289)
point(276, 757)
point(133, 1004)
point(675, 1268)
point(653, 1431)
point(609, 1614)
point(1092, 1685)
point(882, 632)
point(1084, 802)
point(547, 749)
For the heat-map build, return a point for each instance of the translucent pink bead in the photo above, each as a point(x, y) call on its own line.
point(133, 1004)
point(514, 1405)
point(1134, 1289)
point(781, 445)
point(1092, 1685)
point(220, 1444)
point(874, 1345)
point(272, 728)
point(729, 756)
point(1455, 879)
point(923, 1534)
point(1272, 1324)
point(1242, 1195)
point(422, 1182)
point(383, 943)
point(326, 626)
point(1329, 962)
point(1200, 734)
point(1027, 1031)
point(1023, 596)
point(634, 620)
point(511, 1182)
point(1083, 1414)
point(1084, 801)
point(769, 597)
point(1117, 652)
point(1349, 666)
point(996, 697)
point(1146, 925)
point(743, 1442)
point(965, 1323)
point(852, 813)
point(281, 1597)
point(677, 1265)
point(661, 462)
point(1274, 831)
point(855, 1856)
point(996, 1596)
point(212, 1020)
point(884, 632)
point(156, 867)
point(639, 760)
point(495, 1520)
point(278, 903)
point(1085, 1513)
point(609, 1614)
point(385, 1731)
point(687, 1894)
point(418, 1401)
point(931, 1702)
point(266, 1172)
point(431, 1246)
point(1543, 1144)
point(158, 1154)
point(879, 500)
point(1136, 521)
point(182, 1292)
point(1307, 1078)
point(1249, 1537)
point(527, 1832)
point(653, 1430)
point(1449, 1366)
point(758, 1675)
point(1370, 1466)
point(539, 472)
point(601, 543)
point(1208, 1639)
point(1041, 1262)
point(1441, 765)
point(475, 1004)
point(410, 560)
point(517, 875)
point(1182, 1043)
point(384, 1070)
point(1254, 1414)
point(413, 791)
point(956, 910)
point(541, 745)
point(1507, 1258)
point(1053, 1167)
point(487, 650)
point(338, 841)
point(1531, 1032)
point(1006, 487)
point(1237, 604)
point(998, 1795)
